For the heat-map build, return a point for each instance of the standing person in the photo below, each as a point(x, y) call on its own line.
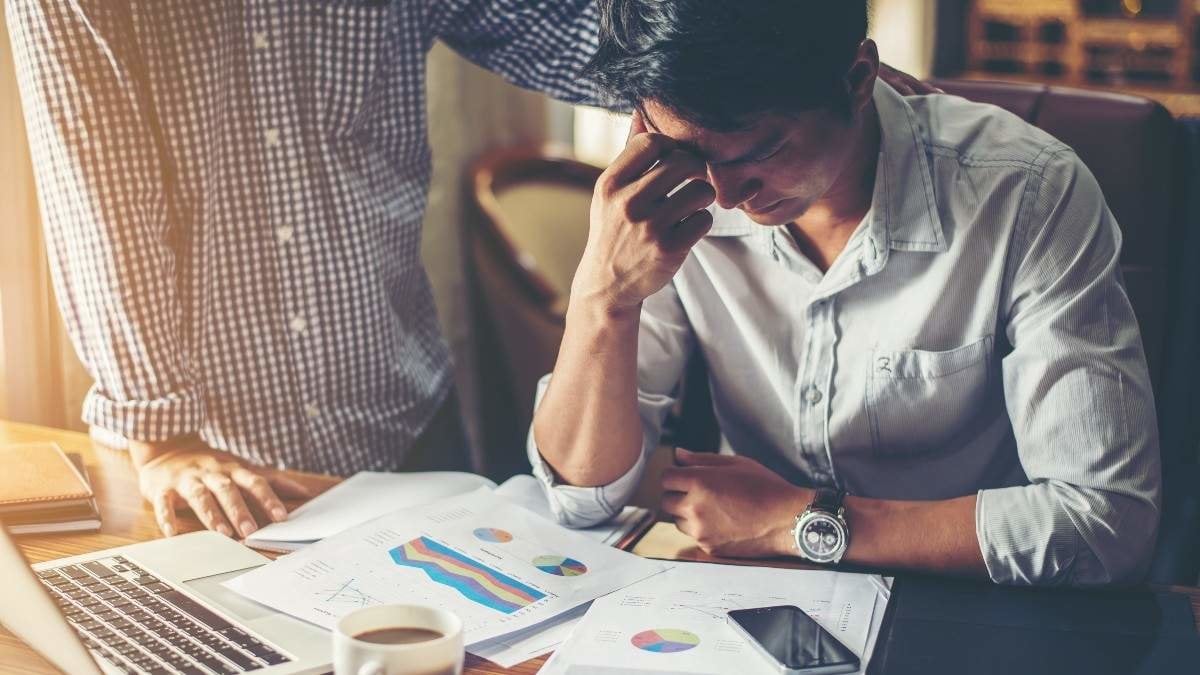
point(233, 195)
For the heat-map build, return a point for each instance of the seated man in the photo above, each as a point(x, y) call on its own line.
point(920, 351)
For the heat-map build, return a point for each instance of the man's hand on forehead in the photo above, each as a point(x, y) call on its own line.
point(648, 211)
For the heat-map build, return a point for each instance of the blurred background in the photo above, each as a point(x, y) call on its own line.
point(507, 216)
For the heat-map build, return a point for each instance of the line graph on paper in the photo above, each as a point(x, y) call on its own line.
point(704, 605)
point(347, 594)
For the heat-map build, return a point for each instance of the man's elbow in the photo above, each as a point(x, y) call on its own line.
point(1118, 552)
point(569, 514)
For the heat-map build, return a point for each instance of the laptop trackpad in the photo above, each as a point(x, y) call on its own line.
point(231, 603)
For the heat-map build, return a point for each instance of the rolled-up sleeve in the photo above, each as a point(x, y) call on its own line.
point(1079, 396)
point(105, 183)
point(665, 340)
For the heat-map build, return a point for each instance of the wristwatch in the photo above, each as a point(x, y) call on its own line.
point(821, 533)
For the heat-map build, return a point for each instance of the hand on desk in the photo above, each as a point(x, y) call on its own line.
point(214, 484)
point(731, 505)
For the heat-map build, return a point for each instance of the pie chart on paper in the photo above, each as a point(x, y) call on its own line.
point(493, 534)
point(559, 565)
point(665, 640)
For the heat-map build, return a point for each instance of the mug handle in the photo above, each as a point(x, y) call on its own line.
point(372, 668)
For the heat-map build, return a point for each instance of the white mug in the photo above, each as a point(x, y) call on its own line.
point(440, 656)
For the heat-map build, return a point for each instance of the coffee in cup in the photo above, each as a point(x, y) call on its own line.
point(398, 640)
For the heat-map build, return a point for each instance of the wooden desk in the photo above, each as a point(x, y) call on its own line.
point(128, 520)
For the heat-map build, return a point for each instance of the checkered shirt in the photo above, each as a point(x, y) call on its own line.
point(233, 193)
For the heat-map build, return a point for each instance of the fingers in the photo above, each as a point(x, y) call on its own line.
point(672, 503)
point(689, 199)
point(899, 81)
point(287, 488)
point(674, 169)
point(260, 491)
point(689, 458)
point(905, 84)
point(202, 503)
point(231, 501)
point(637, 125)
point(681, 479)
point(164, 513)
point(690, 230)
point(642, 152)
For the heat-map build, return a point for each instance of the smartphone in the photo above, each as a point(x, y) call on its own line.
point(792, 641)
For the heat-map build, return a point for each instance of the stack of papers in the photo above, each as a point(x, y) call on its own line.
point(675, 622)
point(527, 491)
point(368, 495)
point(524, 586)
point(499, 567)
point(364, 496)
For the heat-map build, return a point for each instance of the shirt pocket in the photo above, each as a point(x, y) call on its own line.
point(348, 47)
point(918, 400)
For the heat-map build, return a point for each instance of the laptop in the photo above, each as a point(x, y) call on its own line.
point(154, 607)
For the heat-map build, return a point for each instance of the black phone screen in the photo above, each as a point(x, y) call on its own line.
point(793, 638)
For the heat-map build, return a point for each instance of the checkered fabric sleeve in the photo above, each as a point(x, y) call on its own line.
point(540, 45)
point(108, 231)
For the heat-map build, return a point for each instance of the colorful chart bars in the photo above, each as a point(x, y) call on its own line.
point(475, 581)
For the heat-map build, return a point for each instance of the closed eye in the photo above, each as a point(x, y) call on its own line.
point(754, 160)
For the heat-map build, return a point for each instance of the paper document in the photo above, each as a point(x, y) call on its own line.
point(675, 622)
point(507, 651)
point(527, 491)
point(529, 643)
point(498, 566)
point(362, 497)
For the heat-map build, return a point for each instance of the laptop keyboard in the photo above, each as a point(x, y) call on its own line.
point(141, 625)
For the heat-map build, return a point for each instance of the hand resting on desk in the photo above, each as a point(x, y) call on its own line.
point(217, 486)
point(732, 505)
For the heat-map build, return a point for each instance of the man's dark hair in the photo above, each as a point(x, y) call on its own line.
point(719, 63)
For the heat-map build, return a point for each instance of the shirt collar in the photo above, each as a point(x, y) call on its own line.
point(903, 210)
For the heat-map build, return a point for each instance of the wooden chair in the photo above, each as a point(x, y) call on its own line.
point(527, 237)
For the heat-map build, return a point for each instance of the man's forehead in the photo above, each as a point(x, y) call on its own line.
point(714, 146)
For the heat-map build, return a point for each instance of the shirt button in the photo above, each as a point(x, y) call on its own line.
point(813, 396)
point(261, 41)
point(271, 137)
point(311, 411)
point(298, 324)
point(284, 234)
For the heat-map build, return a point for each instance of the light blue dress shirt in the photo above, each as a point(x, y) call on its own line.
point(973, 337)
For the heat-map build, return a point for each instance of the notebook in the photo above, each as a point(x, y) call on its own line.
point(37, 476)
point(45, 490)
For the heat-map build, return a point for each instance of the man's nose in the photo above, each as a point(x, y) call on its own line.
point(732, 189)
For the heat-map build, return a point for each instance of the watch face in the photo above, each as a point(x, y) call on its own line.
point(821, 538)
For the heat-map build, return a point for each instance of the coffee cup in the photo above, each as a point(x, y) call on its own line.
point(398, 640)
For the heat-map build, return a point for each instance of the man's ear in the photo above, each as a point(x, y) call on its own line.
point(860, 79)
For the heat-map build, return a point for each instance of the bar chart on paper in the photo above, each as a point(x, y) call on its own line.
point(473, 580)
point(496, 565)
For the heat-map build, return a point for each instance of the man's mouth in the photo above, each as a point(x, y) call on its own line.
point(761, 211)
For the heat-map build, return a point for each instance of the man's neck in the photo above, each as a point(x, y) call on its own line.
point(823, 230)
